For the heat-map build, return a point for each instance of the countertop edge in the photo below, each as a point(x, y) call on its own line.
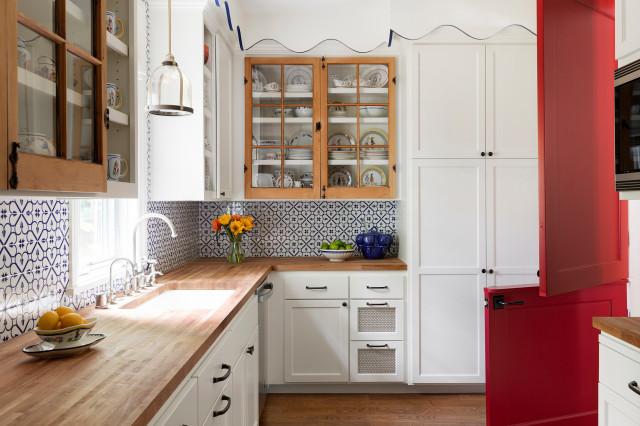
point(626, 329)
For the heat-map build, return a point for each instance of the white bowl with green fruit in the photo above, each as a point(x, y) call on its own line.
point(337, 250)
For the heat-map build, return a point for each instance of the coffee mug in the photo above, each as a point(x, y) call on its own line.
point(117, 167)
point(114, 99)
point(114, 24)
point(272, 87)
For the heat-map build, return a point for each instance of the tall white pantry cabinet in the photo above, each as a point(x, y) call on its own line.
point(473, 194)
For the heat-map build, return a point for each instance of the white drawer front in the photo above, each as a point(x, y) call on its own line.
point(376, 361)
point(619, 372)
point(377, 286)
point(221, 413)
point(614, 410)
point(313, 285)
point(215, 371)
point(377, 319)
point(183, 409)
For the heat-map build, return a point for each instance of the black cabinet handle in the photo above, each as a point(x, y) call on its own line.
point(483, 153)
point(223, 193)
point(377, 304)
point(500, 303)
point(491, 271)
point(490, 154)
point(634, 387)
point(250, 350)
point(344, 304)
point(226, 375)
point(225, 409)
point(484, 271)
point(324, 287)
point(378, 287)
point(377, 346)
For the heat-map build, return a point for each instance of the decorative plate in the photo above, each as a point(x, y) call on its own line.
point(373, 176)
point(342, 139)
point(374, 137)
point(49, 350)
point(376, 76)
point(303, 137)
point(288, 179)
point(340, 177)
point(300, 74)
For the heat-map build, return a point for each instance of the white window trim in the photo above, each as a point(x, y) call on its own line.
point(98, 273)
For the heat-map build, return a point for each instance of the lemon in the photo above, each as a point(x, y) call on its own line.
point(48, 321)
point(64, 310)
point(71, 320)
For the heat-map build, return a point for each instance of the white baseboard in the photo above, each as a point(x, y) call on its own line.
point(377, 388)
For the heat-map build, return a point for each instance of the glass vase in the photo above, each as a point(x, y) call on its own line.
point(236, 252)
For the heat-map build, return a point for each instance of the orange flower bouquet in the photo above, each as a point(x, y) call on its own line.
point(234, 226)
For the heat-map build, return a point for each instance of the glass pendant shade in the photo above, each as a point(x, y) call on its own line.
point(169, 90)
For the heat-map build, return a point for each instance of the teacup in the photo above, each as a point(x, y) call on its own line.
point(117, 167)
point(272, 87)
point(114, 99)
point(114, 24)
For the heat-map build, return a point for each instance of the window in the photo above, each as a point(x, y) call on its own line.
point(101, 230)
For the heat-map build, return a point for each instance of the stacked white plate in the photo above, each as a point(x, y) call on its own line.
point(375, 154)
point(299, 154)
point(342, 155)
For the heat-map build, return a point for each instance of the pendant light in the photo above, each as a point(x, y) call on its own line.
point(168, 89)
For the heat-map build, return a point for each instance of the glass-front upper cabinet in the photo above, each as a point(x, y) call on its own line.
point(283, 123)
point(359, 138)
point(55, 54)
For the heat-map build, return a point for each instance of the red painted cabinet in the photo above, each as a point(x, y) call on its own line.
point(541, 351)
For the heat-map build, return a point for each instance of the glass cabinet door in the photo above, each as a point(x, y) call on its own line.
point(359, 146)
point(284, 123)
point(56, 129)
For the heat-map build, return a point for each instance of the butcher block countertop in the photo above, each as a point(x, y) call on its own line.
point(624, 328)
point(127, 378)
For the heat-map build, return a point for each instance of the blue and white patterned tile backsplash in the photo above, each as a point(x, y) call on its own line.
point(297, 228)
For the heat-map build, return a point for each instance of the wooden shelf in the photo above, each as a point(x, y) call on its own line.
point(298, 95)
point(266, 120)
point(298, 162)
point(46, 87)
point(294, 120)
point(269, 95)
point(347, 120)
point(362, 162)
point(116, 45)
point(372, 120)
point(266, 162)
point(118, 117)
point(118, 189)
point(363, 90)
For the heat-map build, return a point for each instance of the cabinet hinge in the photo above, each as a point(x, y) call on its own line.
point(13, 159)
point(245, 80)
point(318, 126)
point(394, 80)
point(107, 120)
point(324, 65)
point(245, 168)
point(393, 168)
point(323, 194)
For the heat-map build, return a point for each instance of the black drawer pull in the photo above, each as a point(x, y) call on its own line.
point(250, 349)
point(377, 346)
point(226, 375)
point(225, 409)
point(634, 387)
point(324, 287)
point(378, 304)
point(378, 287)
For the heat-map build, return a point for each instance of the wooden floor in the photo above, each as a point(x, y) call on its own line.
point(373, 409)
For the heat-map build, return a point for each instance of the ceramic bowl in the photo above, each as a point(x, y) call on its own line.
point(374, 111)
point(67, 335)
point(303, 112)
point(337, 255)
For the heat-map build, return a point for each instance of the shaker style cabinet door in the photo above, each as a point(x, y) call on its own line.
point(451, 81)
point(512, 222)
point(512, 114)
point(316, 341)
point(627, 31)
point(56, 133)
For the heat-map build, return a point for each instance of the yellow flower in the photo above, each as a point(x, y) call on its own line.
point(236, 227)
point(225, 219)
point(247, 223)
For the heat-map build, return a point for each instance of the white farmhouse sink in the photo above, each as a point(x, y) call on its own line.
point(187, 300)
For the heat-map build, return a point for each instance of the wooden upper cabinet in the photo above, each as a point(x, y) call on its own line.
point(55, 136)
point(327, 126)
point(583, 226)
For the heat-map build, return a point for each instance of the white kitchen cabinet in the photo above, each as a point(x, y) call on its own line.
point(451, 91)
point(377, 319)
point(224, 410)
point(618, 404)
point(512, 105)
point(512, 222)
point(190, 156)
point(627, 31)
point(376, 361)
point(184, 408)
point(451, 329)
point(245, 385)
point(316, 341)
point(449, 196)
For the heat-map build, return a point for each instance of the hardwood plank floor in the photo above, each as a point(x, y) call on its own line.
point(373, 409)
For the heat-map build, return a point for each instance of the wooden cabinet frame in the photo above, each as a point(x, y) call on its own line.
point(42, 173)
point(320, 106)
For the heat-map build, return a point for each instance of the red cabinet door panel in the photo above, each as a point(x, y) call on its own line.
point(583, 228)
point(542, 355)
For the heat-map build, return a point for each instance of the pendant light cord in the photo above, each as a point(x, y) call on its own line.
point(170, 53)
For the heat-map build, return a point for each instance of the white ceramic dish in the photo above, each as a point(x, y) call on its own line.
point(298, 88)
point(68, 335)
point(48, 350)
point(374, 111)
point(337, 255)
point(303, 112)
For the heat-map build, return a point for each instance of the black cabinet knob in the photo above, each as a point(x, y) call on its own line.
point(490, 154)
point(491, 271)
point(484, 271)
point(344, 304)
point(483, 153)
